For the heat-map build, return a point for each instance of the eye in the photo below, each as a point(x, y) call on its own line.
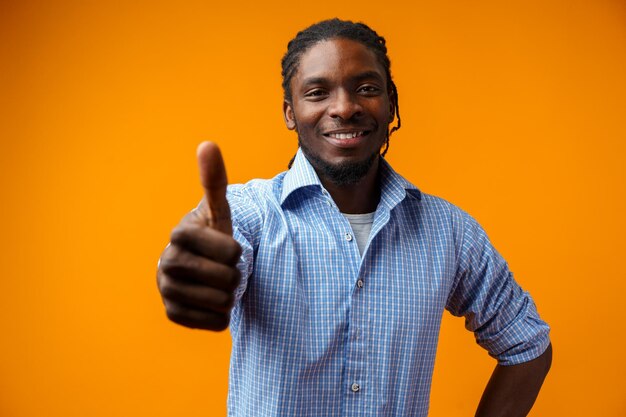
point(316, 94)
point(369, 90)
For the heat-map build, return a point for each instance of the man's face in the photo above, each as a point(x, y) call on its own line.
point(340, 108)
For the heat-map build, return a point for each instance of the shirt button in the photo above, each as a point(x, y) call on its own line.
point(359, 283)
point(355, 387)
point(348, 237)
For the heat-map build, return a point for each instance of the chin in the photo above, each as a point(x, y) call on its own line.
point(346, 172)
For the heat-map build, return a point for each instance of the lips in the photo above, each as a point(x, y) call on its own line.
point(347, 135)
point(346, 138)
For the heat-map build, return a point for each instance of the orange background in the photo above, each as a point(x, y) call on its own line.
point(515, 111)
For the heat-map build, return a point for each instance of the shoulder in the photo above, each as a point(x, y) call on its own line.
point(397, 189)
point(250, 202)
point(256, 191)
point(443, 219)
point(443, 211)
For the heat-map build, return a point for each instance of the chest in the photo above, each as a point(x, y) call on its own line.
point(308, 270)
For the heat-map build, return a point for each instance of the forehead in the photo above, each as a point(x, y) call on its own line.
point(338, 58)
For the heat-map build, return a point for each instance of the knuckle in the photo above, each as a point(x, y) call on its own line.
point(175, 314)
point(159, 277)
point(178, 261)
point(179, 235)
point(183, 234)
point(168, 253)
point(167, 289)
point(168, 265)
point(233, 252)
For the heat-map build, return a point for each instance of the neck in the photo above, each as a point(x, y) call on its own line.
point(361, 197)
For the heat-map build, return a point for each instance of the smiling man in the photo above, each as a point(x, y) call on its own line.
point(334, 275)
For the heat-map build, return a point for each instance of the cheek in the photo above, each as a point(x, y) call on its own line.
point(381, 110)
point(307, 119)
point(387, 111)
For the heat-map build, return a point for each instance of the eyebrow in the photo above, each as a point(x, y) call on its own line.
point(360, 77)
point(369, 75)
point(314, 80)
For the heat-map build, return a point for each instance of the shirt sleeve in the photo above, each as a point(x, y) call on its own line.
point(502, 316)
point(247, 221)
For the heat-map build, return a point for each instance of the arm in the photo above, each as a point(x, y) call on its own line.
point(505, 322)
point(512, 390)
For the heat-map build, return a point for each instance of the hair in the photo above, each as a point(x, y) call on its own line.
point(332, 29)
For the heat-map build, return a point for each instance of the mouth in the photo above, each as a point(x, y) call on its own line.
point(346, 139)
point(346, 135)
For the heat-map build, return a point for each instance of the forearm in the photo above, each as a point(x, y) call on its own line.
point(512, 390)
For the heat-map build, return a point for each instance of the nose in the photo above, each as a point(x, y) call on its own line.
point(344, 106)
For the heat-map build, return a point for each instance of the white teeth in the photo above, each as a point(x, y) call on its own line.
point(345, 135)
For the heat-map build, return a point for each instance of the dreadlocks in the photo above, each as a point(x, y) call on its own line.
point(335, 28)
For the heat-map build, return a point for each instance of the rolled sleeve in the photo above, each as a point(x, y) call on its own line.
point(502, 316)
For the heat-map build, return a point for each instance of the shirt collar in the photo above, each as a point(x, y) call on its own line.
point(394, 188)
point(300, 175)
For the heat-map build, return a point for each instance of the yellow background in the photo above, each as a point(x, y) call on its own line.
point(515, 111)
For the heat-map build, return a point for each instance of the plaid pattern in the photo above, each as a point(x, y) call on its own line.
point(319, 330)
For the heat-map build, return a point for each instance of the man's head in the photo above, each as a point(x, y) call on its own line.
point(342, 64)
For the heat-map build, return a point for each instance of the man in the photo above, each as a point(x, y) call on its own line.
point(338, 270)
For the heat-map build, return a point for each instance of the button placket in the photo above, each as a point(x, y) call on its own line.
point(356, 361)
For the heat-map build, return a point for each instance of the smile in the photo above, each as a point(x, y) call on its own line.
point(346, 135)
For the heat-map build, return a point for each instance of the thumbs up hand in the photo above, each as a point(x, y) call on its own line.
point(197, 272)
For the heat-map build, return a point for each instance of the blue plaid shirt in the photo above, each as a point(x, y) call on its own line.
point(319, 330)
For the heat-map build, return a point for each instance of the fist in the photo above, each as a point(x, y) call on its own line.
point(197, 272)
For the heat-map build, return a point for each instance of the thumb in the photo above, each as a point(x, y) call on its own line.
point(214, 182)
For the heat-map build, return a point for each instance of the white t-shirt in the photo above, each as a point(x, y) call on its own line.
point(361, 227)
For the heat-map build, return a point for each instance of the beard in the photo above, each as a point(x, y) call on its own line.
point(345, 173)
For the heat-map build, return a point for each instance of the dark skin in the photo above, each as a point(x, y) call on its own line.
point(340, 88)
point(197, 272)
point(341, 109)
point(512, 390)
point(351, 200)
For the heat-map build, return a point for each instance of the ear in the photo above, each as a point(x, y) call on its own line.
point(290, 119)
point(392, 106)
